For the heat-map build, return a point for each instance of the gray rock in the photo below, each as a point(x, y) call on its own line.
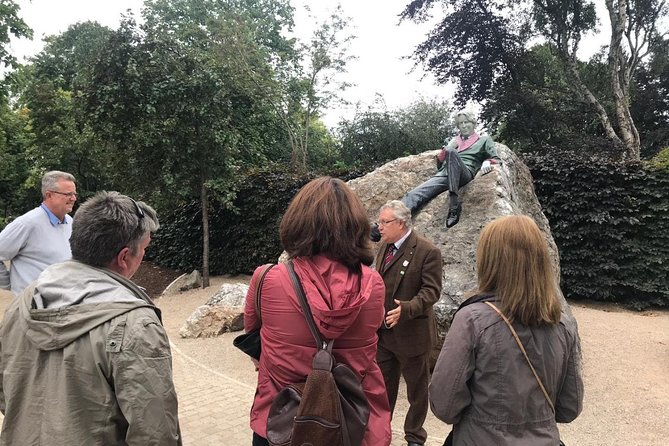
point(231, 295)
point(505, 191)
point(191, 281)
point(223, 312)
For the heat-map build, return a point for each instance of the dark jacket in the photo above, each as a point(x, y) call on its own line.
point(414, 278)
point(483, 385)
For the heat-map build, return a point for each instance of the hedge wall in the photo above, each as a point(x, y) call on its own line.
point(239, 239)
point(610, 221)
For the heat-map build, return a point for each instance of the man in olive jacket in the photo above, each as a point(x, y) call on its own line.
point(411, 268)
point(84, 356)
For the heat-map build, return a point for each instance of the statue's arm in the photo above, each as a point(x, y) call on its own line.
point(491, 151)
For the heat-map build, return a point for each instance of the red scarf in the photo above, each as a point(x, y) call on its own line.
point(464, 144)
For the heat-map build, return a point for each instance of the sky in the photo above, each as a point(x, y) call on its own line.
point(381, 47)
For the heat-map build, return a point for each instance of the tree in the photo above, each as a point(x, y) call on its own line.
point(177, 106)
point(650, 107)
point(327, 57)
point(476, 44)
point(15, 167)
point(11, 25)
point(540, 107)
point(53, 94)
point(305, 82)
point(377, 135)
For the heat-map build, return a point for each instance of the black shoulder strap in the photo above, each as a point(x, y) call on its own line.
point(306, 309)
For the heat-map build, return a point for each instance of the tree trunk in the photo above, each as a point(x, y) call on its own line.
point(204, 198)
point(586, 95)
point(619, 86)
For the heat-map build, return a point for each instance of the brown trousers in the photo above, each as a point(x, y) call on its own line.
point(416, 373)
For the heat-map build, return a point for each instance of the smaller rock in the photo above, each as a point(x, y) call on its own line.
point(223, 312)
point(208, 322)
point(191, 281)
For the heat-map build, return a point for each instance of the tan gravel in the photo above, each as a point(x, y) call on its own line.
point(626, 370)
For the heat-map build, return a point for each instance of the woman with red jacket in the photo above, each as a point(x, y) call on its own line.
point(326, 232)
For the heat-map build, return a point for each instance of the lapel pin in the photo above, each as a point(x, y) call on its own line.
point(406, 263)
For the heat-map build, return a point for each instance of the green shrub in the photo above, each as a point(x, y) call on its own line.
point(241, 238)
point(610, 221)
point(661, 160)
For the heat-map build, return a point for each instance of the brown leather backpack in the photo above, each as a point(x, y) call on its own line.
point(329, 409)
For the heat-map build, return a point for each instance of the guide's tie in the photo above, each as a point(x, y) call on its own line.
point(389, 256)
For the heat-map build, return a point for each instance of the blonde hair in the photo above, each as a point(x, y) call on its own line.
point(512, 262)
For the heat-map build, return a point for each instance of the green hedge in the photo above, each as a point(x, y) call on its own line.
point(241, 238)
point(610, 221)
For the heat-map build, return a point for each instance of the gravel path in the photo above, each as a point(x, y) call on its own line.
point(626, 368)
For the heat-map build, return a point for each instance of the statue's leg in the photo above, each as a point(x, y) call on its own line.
point(421, 195)
point(458, 175)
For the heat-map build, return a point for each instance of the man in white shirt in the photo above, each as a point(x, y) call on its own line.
point(40, 237)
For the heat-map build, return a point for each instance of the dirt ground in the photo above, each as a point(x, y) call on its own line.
point(625, 355)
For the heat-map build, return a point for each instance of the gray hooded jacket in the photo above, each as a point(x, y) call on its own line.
point(483, 385)
point(85, 360)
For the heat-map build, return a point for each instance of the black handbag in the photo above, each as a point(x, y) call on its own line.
point(249, 342)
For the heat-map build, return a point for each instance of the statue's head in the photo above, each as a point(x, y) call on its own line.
point(465, 121)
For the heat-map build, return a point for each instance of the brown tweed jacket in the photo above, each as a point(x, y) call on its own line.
point(414, 278)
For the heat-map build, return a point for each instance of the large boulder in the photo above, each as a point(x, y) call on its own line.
point(223, 312)
point(507, 190)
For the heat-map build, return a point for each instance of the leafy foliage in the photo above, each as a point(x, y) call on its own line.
point(376, 136)
point(473, 45)
point(10, 25)
point(242, 237)
point(483, 46)
point(15, 194)
point(611, 223)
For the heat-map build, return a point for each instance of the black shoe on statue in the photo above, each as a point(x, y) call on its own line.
point(375, 235)
point(453, 216)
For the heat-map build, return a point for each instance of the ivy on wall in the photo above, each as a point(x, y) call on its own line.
point(610, 221)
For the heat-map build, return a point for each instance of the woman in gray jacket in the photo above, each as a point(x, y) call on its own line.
point(483, 383)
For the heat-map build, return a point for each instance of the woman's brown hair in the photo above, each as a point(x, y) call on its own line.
point(326, 217)
point(512, 262)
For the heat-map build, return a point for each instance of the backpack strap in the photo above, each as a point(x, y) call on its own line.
point(257, 289)
point(321, 344)
point(527, 358)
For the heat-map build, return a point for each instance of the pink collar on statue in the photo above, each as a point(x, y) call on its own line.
point(464, 144)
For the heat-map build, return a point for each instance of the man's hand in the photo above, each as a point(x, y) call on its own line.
point(486, 167)
point(393, 316)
